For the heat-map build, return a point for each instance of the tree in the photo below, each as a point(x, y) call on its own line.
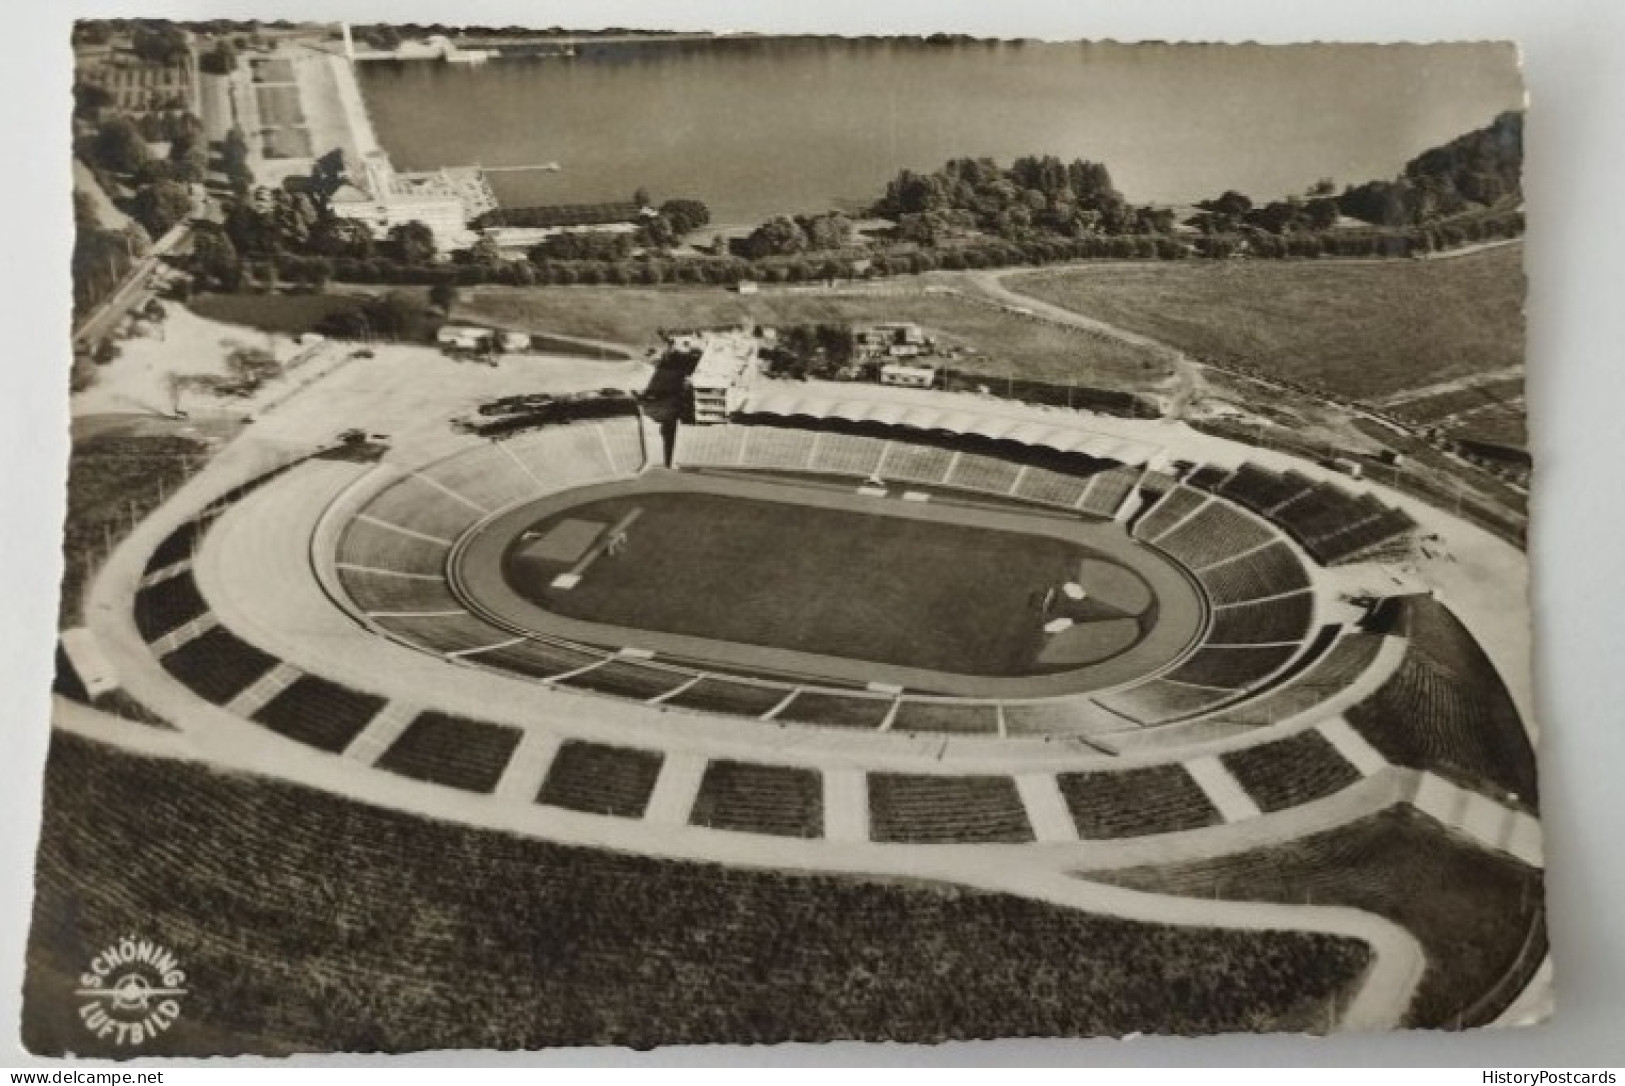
point(485, 253)
point(583, 245)
point(655, 233)
point(215, 258)
point(685, 216)
point(776, 237)
point(443, 296)
point(831, 231)
point(327, 175)
point(640, 197)
point(92, 32)
point(251, 367)
point(398, 315)
point(1232, 203)
point(119, 147)
point(1321, 213)
point(159, 42)
point(89, 99)
point(412, 242)
point(221, 60)
point(189, 155)
point(252, 230)
point(336, 237)
point(161, 205)
point(234, 161)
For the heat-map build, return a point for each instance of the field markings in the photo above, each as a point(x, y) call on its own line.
point(521, 465)
point(458, 654)
point(660, 699)
point(1206, 501)
point(575, 671)
point(609, 453)
point(522, 779)
point(184, 634)
point(449, 492)
point(1289, 499)
point(356, 567)
point(1088, 489)
point(413, 532)
point(1352, 746)
point(1047, 812)
point(891, 714)
point(846, 804)
point(783, 704)
point(1249, 644)
point(613, 537)
point(166, 573)
point(380, 733)
point(1238, 555)
point(1261, 599)
point(252, 699)
point(1222, 790)
point(676, 788)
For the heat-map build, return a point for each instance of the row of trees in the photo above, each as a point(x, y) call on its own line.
point(1036, 196)
point(786, 235)
point(219, 265)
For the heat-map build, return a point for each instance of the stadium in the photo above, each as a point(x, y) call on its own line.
point(1114, 666)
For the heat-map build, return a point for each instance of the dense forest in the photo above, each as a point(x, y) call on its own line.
point(1482, 168)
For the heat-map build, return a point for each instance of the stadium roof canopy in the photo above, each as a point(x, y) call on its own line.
point(1062, 436)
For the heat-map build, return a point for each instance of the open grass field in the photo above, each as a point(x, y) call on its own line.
point(309, 922)
point(1476, 913)
point(916, 593)
point(290, 314)
point(1031, 349)
point(1364, 330)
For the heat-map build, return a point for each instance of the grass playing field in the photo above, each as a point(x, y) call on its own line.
point(1363, 329)
point(935, 595)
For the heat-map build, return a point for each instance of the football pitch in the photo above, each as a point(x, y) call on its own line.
point(830, 581)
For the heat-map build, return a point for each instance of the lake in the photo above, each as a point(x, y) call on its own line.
point(763, 126)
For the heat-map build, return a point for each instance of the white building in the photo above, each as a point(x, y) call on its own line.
point(725, 371)
point(463, 337)
point(443, 200)
point(907, 376)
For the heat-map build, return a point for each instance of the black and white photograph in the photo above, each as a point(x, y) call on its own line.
point(621, 536)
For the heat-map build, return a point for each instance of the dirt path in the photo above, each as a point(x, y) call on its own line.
point(1472, 380)
point(1186, 385)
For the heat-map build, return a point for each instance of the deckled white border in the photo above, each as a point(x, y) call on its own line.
point(1575, 64)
